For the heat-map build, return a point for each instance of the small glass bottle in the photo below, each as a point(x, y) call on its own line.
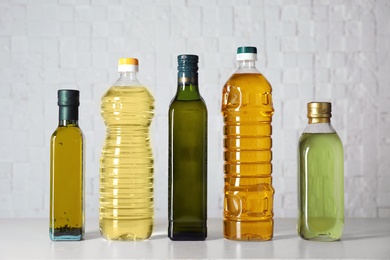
point(66, 171)
point(187, 170)
point(321, 177)
point(126, 164)
point(247, 112)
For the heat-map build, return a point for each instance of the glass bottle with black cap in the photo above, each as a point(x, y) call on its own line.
point(66, 171)
point(187, 171)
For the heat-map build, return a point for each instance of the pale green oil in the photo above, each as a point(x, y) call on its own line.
point(321, 187)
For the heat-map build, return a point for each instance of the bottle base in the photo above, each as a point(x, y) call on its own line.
point(187, 233)
point(325, 229)
point(320, 238)
point(126, 230)
point(248, 230)
point(187, 237)
point(71, 234)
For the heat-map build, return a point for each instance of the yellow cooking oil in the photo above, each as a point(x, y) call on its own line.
point(126, 172)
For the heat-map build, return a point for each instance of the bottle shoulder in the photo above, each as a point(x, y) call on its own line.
point(251, 93)
point(128, 80)
point(247, 70)
point(248, 82)
point(127, 105)
point(128, 90)
point(69, 130)
point(319, 128)
point(188, 104)
point(135, 93)
point(323, 141)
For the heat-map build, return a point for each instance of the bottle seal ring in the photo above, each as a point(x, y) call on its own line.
point(246, 53)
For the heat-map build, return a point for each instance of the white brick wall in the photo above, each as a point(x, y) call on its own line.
point(333, 50)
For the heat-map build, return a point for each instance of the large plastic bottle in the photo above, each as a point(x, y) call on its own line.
point(247, 111)
point(321, 177)
point(126, 172)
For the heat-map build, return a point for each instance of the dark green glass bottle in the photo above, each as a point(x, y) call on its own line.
point(187, 170)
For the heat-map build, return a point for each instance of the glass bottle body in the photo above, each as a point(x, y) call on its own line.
point(66, 182)
point(247, 111)
point(187, 166)
point(320, 184)
point(126, 165)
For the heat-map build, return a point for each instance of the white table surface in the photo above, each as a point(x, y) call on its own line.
point(29, 238)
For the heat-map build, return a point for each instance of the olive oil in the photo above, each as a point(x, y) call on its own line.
point(126, 172)
point(247, 111)
point(321, 178)
point(187, 170)
point(66, 172)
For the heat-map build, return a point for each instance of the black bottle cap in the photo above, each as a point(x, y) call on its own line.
point(187, 63)
point(68, 101)
point(68, 97)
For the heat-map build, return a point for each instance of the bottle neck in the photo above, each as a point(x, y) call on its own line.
point(187, 86)
point(319, 125)
point(127, 78)
point(70, 122)
point(132, 75)
point(68, 115)
point(318, 120)
point(246, 64)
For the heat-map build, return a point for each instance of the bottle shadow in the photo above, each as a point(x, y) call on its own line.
point(158, 236)
point(211, 237)
point(92, 235)
point(352, 237)
point(356, 229)
point(285, 236)
point(165, 236)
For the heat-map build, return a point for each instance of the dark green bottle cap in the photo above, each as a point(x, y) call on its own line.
point(68, 101)
point(68, 97)
point(187, 63)
point(246, 49)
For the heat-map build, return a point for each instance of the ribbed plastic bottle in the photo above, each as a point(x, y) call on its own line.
point(247, 111)
point(126, 166)
point(321, 177)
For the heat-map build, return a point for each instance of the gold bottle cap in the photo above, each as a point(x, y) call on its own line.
point(319, 112)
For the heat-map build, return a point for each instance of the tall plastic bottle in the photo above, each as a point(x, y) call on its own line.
point(126, 168)
point(321, 177)
point(247, 111)
point(187, 170)
point(67, 171)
